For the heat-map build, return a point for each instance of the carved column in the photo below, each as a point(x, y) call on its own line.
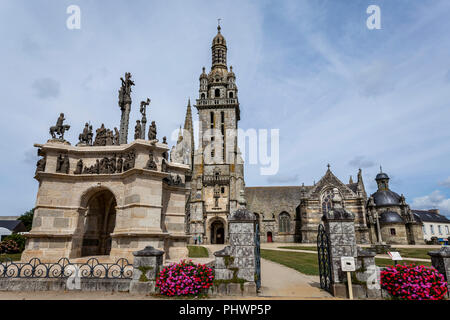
point(123, 134)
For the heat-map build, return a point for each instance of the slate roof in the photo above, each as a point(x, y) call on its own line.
point(353, 187)
point(386, 198)
point(427, 216)
point(390, 217)
point(13, 225)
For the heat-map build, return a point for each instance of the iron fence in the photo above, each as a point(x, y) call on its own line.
point(92, 269)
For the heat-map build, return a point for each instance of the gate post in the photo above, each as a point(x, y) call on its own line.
point(236, 264)
point(440, 259)
point(340, 227)
point(146, 267)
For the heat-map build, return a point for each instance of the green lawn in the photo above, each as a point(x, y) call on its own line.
point(308, 248)
point(12, 256)
point(419, 253)
point(307, 263)
point(303, 262)
point(198, 252)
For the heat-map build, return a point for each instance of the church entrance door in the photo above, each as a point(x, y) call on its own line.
point(217, 233)
point(269, 237)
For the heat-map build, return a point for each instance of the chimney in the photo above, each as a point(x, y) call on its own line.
point(435, 211)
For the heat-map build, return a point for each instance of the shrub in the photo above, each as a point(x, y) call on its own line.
point(9, 246)
point(185, 278)
point(411, 282)
point(19, 239)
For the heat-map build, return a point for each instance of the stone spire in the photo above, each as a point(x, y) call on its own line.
point(219, 50)
point(189, 130)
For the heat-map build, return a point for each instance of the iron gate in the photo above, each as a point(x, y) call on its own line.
point(323, 253)
point(257, 257)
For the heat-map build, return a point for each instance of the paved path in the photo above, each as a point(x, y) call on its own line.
point(280, 282)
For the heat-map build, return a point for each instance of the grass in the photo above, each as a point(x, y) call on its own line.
point(303, 262)
point(419, 253)
point(12, 256)
point(308, 248)
point(307, 263)
point(388, 262)
point(198, 252)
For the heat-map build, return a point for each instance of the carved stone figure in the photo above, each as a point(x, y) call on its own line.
point(125, 90)
point(143, 109)
point(119, 164)
point(164, 165)
point(129, 161)
point(151, 164)
point(40, 165)
point(79, 169)
point(164, 140)
point(116, 137)
point(100, 137)
point(59, 162)
point(112, 165)
point(137, 130)
point(83, 137)
point(60, 128)
point(109, 138)
point(152, 131)
point(62, 164)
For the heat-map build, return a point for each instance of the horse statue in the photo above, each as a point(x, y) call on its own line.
point(60, 128)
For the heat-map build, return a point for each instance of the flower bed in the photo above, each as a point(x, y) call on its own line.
point(9, 246)
point(185, 278)
point(412, 282)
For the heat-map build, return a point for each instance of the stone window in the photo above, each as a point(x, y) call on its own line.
point(447, 230)
point(217, 93)
point(203, 96)
point(284, 221)
point(327, 203)
point(393, 232)
point(231, 95)
point(440, 229)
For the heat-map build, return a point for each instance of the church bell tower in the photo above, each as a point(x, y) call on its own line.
point(218, 172)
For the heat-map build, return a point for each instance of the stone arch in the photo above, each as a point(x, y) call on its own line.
point(97, 221)
point(217, 230)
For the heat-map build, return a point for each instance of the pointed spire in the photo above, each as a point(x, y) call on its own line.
point(329, 167)
point(351, 180)
point(189, 129)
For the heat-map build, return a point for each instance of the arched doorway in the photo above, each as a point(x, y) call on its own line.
point(217, 233)
point(269, 237)
point(99, 223)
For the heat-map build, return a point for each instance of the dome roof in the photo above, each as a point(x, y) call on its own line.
point(381, 176)
point(219, 38)
point(386, 198)
point(390, 217)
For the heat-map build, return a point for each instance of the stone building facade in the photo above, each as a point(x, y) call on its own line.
point(390, 218)
point(217, 169)
point(293, 214)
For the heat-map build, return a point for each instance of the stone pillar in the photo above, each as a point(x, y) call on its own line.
point(146, 267)
point(367, 272)
point(124, 121)
point(440, 259)
point(340, 227)
point(235, 265)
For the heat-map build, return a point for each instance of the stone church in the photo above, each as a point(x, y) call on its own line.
point(106, 196)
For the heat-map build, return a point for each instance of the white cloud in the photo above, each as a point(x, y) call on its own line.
point(435, 200)
point(445, 183)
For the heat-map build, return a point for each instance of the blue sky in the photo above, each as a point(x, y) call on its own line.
point(338, 92)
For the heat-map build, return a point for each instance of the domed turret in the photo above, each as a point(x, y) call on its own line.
point(219, 50)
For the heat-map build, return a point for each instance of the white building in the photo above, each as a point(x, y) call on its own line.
point(434, 224)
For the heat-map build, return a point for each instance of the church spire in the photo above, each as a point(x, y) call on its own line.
point(219, 50)
point(189, 129)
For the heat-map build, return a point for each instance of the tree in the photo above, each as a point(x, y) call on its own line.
point(27, 219)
